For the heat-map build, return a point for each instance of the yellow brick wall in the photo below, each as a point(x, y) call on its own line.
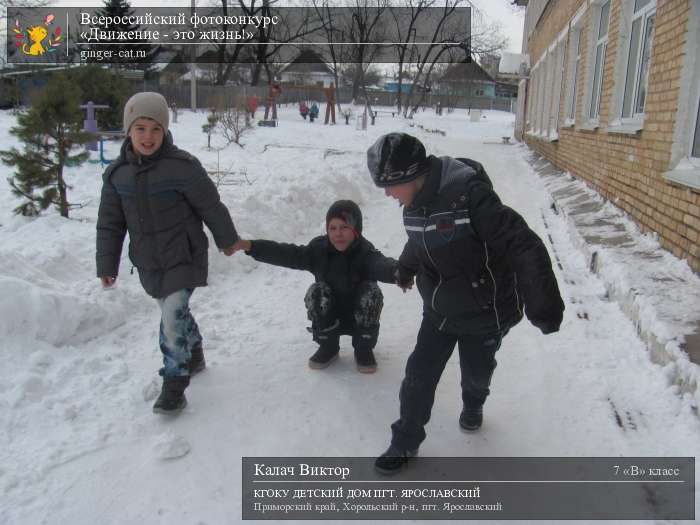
point(627, 169)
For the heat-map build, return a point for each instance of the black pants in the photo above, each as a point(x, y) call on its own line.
point(356, 315)
point(423, 371)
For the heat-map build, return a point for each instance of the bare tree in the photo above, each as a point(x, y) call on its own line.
point(364, 32)
point(487, 36)
point(406, 20)
point(334, 34)
point(448, 40)
point(262, 49)
point(352, 38)
point(234, 121)
point(446, 37)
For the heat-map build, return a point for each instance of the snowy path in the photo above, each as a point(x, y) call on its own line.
point(81, 445)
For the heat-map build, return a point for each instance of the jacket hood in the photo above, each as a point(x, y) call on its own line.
point(444, 171)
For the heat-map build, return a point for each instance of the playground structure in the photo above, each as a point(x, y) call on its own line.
point(90, 126)
point(273, 93)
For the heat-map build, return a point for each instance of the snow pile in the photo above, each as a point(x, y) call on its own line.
point(658, 291)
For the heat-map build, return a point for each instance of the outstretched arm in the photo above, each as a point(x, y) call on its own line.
point(281, 254)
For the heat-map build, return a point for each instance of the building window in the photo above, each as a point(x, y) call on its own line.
point(684, 165)
point(558, 71)
point(639, 55)
point(531, 98)
point(546, 93)
point(541, 87)
point(695, 149)
point(574, 67)
point(601, 45)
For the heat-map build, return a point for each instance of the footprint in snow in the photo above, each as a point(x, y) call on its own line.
point(171, 446)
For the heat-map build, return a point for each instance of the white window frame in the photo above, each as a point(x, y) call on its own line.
point(527, 106)
point(537, 73)
point(574, 66)
point(633, 123)
point(693, 154)
point(532, 101)
point(594, 87)
point(558, 69)
point(541, 86)
point(547, 93)
point(685, 168)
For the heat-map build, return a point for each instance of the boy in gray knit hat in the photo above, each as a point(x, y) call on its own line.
point(162, 196)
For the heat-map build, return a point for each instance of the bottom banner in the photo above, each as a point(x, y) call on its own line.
point(470, 488)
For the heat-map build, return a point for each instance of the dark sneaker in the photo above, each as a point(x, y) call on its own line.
point(172, 396)
point(471, 418)
point(366, 363)
point(197, 363)
point(323, 357)
point(393, 460)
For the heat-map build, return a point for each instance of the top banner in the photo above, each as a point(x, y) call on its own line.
point(237, 35)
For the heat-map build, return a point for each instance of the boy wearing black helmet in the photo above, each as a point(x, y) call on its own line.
point(345, 299)
point(477, 265)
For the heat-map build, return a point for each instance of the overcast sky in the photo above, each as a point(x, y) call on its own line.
point(510, 18)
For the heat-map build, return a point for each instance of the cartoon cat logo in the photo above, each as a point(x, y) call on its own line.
point(36, 36)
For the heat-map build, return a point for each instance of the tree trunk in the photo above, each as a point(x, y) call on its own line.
point(62, 195)
point(63, 150)
point(257, 71)
point(356, 86)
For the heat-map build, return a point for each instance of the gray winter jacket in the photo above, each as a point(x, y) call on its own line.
point(161, 200)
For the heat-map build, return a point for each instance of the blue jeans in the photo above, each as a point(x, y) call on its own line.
point(179, 333)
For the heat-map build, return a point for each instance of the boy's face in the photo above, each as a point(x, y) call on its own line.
point(404, 193)
point(340, 233)
point(146, 136)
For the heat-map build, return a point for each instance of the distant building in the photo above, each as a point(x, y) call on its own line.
point(467, 79)
point(307, 69)
point(393, 86)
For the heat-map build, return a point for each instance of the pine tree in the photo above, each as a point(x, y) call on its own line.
point(49, 131)
point(103, 86)
point(121, 9)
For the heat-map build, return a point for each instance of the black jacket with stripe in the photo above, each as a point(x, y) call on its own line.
point(476, 261)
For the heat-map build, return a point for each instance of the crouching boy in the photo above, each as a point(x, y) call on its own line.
point(345, 299)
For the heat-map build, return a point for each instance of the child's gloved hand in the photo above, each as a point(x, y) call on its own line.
point(403, 279)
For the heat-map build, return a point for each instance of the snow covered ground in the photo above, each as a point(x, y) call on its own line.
point(80, 445)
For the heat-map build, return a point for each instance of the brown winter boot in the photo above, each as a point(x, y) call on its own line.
point(197, 363)
point(172, 398)
point(323, 357)
point(365, 361)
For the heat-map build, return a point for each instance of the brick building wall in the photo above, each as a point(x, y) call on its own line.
point(628, 169)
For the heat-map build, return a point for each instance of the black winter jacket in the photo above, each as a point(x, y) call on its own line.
point(161, 200)
point(477, 261)
point(342, 271)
